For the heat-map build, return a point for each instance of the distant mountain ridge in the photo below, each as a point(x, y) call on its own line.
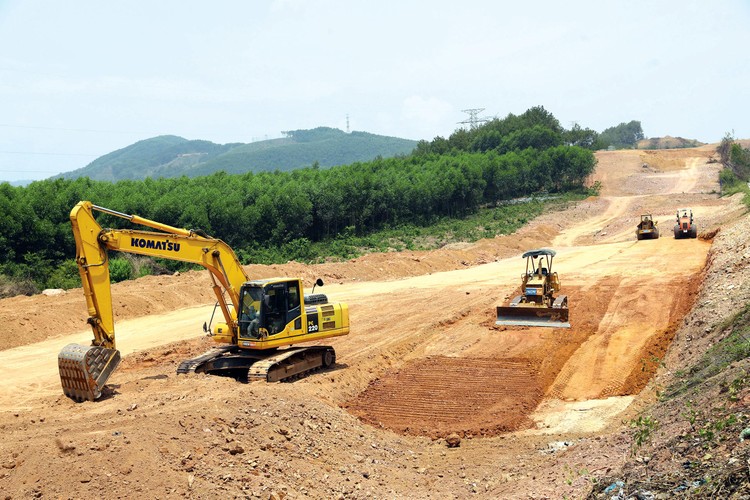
point(173, 156)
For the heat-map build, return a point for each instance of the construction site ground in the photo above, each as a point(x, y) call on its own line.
point(533, 407)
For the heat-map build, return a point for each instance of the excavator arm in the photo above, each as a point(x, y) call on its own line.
point(85, 370)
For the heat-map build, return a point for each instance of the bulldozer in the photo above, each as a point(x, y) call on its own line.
point(648, 228)
point(537, 306)
point(263, 319)
point(685, 226)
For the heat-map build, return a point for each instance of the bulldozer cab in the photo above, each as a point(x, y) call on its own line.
point(536, 267)
point(539, 273)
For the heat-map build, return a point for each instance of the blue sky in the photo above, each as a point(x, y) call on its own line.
point(80, 79)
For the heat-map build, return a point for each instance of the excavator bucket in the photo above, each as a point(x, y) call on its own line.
point(85, 369)
point(552, 317)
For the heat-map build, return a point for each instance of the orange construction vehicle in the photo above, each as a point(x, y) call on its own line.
point(685, 226)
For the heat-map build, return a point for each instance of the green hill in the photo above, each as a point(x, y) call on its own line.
point(172, 156)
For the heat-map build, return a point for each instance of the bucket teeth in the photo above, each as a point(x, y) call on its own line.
point(85, 369)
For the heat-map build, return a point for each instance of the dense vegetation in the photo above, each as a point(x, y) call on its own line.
point(622, 136)
point(172, 156)
point(306, 213)
point(536, 129)
point(735, 175)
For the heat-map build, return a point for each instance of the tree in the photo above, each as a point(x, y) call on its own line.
point(624, 135)
point(536, 137)
point(583, 137)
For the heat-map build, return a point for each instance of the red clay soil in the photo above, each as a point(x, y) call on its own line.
point(438, 396)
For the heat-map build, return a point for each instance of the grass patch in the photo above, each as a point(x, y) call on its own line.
point(734, 347)
point(487, 222)
point(731, 185)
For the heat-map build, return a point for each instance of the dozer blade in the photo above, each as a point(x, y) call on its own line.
point(552, 317)
point(85, 369)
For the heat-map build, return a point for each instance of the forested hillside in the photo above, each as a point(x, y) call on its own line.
point(172, 156)
point(517, 156)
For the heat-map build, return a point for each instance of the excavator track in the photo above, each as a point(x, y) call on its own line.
point(271, 366)
point(193, 365)
point(292, 362)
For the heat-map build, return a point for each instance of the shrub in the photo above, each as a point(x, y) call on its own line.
point(65, 276)
point(10, 287)
point(119, 270)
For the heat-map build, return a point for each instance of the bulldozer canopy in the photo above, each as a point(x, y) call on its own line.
point(539, 252)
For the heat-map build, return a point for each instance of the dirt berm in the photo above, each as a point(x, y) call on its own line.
point(533, 407)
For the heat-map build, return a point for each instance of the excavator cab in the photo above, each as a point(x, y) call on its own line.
point(267, 309)
point(251, 300)
point(537, 306)
point(275, 306)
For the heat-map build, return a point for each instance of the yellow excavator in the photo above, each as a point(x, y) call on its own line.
point(260, 316)
point(537, 305)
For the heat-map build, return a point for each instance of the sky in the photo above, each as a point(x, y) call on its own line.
point(82, 78)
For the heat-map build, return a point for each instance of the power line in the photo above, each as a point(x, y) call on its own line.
point(29, 171)
point(34, 127)
point(44, 153)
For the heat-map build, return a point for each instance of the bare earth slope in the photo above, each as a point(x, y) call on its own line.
point(424, 360)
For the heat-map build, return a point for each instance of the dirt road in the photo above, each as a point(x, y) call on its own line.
point(424, 360)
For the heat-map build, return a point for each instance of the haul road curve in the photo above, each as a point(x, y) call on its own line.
point(424, 357)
